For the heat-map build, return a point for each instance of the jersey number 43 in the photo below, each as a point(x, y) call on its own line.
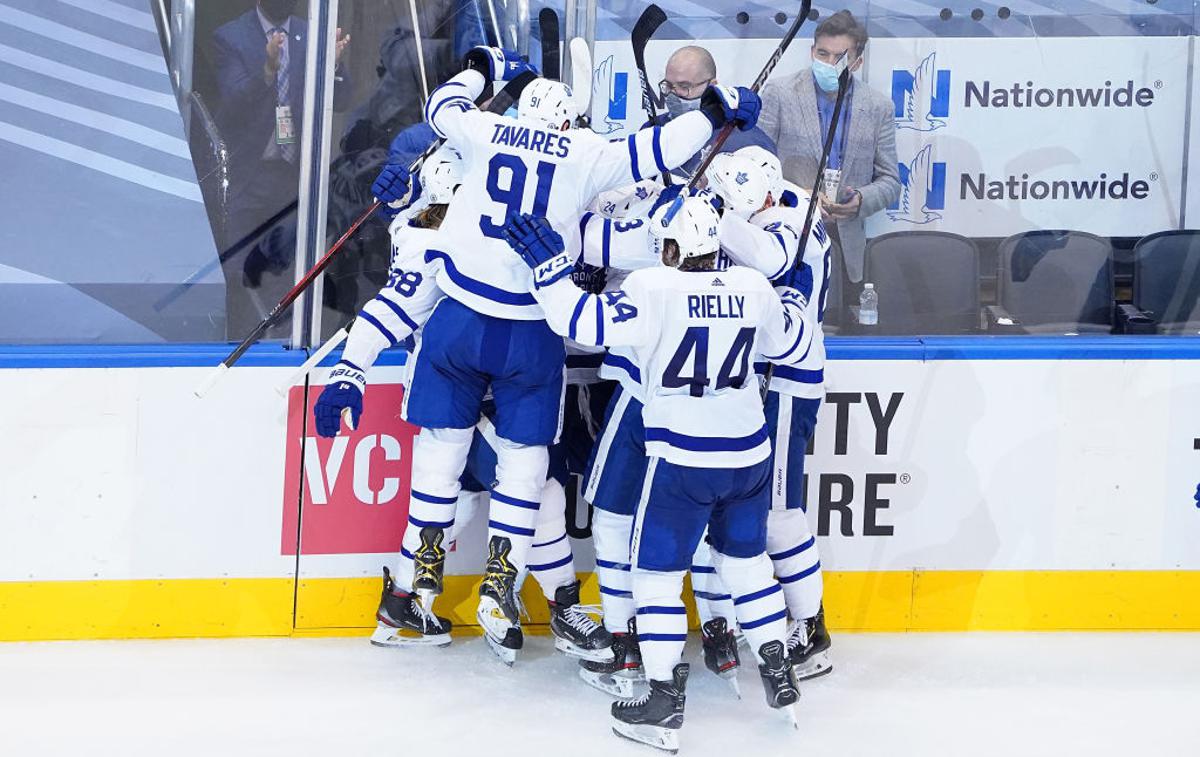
point(512, 195)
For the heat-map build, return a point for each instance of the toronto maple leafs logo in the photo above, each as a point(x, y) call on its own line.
point(742, 178)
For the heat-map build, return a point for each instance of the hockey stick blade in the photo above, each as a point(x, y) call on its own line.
point(648, 23)
point(581, 74)
point(551, 56)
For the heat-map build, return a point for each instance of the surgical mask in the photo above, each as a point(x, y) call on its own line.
point(677, 106)
point(827, 75)
point(277, 10)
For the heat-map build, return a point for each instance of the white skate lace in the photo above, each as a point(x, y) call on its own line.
point(579, 617)
point(797, 636)
point(429, 621)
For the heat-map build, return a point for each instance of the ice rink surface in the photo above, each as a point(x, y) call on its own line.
point(1009, 695)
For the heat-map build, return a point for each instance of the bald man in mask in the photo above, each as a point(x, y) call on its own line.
point(689, 71)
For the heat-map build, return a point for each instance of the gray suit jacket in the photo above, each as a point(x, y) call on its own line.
point(789, 116)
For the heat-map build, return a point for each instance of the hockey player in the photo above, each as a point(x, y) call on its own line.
point(489, 332)
point(694, 332)
point(390, 318)
point(763, 218)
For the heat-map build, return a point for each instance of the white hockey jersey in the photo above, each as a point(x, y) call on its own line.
point(771, 238)
point(404, 303)
point(694, 336)
point(520, 166)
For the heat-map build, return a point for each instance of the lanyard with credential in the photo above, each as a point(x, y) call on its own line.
point(836, 155)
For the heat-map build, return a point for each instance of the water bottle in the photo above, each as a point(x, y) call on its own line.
point(868, 306)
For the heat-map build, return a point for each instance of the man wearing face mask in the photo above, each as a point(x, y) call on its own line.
point(861, 177)
point(689, 71)
point(260, 60)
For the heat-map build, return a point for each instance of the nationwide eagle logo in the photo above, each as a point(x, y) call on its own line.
point(923, 190)
point(921, 98)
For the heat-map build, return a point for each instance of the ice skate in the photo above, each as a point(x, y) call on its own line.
point(576, 634)
point(498, 613)
point(720, 652)
point(656, 717)
point(429, 562)
point(405, 622)
point(777, 683)
point(619, 675)
point(808, 648)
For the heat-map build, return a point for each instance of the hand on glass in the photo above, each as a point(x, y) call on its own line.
point(343, 39)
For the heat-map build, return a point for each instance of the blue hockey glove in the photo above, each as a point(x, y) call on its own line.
point(395, 187)
point(665, 197)
point(724, 104)
point(496, 63)
point(540, 246)
point(343, 391)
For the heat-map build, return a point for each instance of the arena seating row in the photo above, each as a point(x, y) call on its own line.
point(1047, 282)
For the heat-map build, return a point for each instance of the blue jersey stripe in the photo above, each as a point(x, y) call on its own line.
point(599, 322)
point(633, 158)
point(794, 550)
point(662, 637)
point(479, 288)
point(551, 565)
point(612, 565)
point(656, 143)
point(615, 592)
point(606, 243)
point(661, 610)
point(399, 311)
point(510, 529)
point(752, 624)
point(382, 329)
point(772, 589)
point(625, 364)
point(802, 574)
point(528, 505)
point(573, 329)
point(426, 523)
point(433, 499)
point(707, 443)
point(549, 543)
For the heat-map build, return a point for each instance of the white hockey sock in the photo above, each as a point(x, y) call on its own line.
point(757, 598)
point(793, 550)
point(550, 555)
point(712, 600)
point(661, 621)
point(610, 538)
point(439, 456)
point(516, 496)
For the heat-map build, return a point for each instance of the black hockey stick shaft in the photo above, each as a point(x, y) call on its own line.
point(648, 23)
point(810, 213)
point(551, 56)
point(772, 62)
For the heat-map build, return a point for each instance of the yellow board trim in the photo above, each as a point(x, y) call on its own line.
point(854, 601)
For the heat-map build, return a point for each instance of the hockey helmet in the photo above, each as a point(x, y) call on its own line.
point(769, 163)
point(549, 102)
point(739, 182)
point(694, 228)
point(440, 175)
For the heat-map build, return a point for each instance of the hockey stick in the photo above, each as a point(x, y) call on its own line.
point(495, 23)
point(551, 55)
point(412, 8)
point(810, 213)
point(727, 129)
point(581, 78)
point(643, 29)
point(500, 103)
point(317, 356)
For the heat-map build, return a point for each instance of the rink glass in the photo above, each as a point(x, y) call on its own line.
point(1042, 155)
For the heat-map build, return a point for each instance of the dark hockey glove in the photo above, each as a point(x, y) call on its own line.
point(590, 278)
point(343, 392)
point(540, 246)
point(724, 104)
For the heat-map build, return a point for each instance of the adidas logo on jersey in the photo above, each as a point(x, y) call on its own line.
point(718, 283)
